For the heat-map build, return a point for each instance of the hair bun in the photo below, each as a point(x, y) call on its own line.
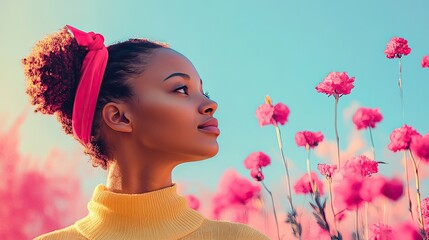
point(53, 71)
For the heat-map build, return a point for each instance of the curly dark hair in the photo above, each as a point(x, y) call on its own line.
point(53, 69)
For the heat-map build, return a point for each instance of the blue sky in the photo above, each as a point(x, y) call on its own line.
point(243, 50)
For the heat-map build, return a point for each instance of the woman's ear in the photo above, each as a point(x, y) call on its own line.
point(116, 116)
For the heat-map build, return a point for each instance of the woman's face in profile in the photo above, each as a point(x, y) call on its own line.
point(169, 106)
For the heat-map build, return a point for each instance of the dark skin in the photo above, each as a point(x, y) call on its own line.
point(158, 129)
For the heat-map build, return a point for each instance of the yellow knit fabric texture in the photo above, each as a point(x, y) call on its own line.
point(161, 214)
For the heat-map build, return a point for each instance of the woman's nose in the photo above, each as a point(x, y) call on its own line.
point(208, 106)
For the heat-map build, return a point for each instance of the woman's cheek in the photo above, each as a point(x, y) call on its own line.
point(168, 123)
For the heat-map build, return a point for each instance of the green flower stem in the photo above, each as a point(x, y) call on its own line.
point(419, 206)
point(313, 185)
point(400, 90)
point(274, 209)
point(332, 204)
point(279, 140)
point(366, 222)
point(410, 205)
point(336, 131)
point(372, 143)
point(357, 224)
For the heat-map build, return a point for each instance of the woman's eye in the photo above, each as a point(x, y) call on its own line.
point(184, 88)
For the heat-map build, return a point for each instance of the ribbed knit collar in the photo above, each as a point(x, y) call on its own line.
point(161, 214)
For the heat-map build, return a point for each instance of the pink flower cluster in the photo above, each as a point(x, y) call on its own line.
point(420, 146)
point(392, 189)
point(367, 117)
point(352, 192)
point(361, 166)
point(407, 231)
point(425, 208)
point(358, 184)
point(268, 114)
point(308, 139)
point(336, 83)
point(425, 62)
point(397, 47)
point(303, 185)
point(234, 190)
point(403, 231)
point(381, 231)
point(400, 138)
point(254, 162)
point(327, 170)
point(193, 201)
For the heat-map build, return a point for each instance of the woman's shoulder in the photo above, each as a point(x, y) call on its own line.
point(219, 229)
point(60, 234)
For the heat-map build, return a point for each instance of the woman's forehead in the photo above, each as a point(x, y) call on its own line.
point(166, 61)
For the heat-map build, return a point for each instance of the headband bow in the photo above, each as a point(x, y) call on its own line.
point(92, 72)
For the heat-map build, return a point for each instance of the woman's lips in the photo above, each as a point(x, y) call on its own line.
point(210, 129)
point(210, 126)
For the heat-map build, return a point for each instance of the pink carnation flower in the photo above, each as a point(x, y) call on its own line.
point(381, 231)
point(268, 114)
point(264, 113)
point(406, 231)
point(336, 83)
point(366, 117)
point(256, 174)
point(193, 202)
point(420, 146)
point(234, 190)
point(281, 113)
point(397, 47)
point(425, 208)
point(400, 138)
point(371, 188)
point(361, 165)
point(303, 186)
point(393, 189)
point(425, 62)
point(307, 138)
point(257, 160)
point(348, 193)
point(327, 170)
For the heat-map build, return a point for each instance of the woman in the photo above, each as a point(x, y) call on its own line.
point(139, 109)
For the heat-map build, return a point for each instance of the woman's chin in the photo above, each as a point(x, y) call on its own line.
point(206, 153)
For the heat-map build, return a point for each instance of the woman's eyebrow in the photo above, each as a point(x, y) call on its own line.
point(183, 75)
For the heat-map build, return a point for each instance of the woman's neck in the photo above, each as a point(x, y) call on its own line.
point(137, 179)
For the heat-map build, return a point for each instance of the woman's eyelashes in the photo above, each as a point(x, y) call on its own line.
point(186, 91)
point(206, 94)
point(182, 89)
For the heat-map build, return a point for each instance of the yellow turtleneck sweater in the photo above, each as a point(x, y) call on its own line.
point(161, 214)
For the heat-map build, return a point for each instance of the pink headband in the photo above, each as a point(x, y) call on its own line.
point(93, 67)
